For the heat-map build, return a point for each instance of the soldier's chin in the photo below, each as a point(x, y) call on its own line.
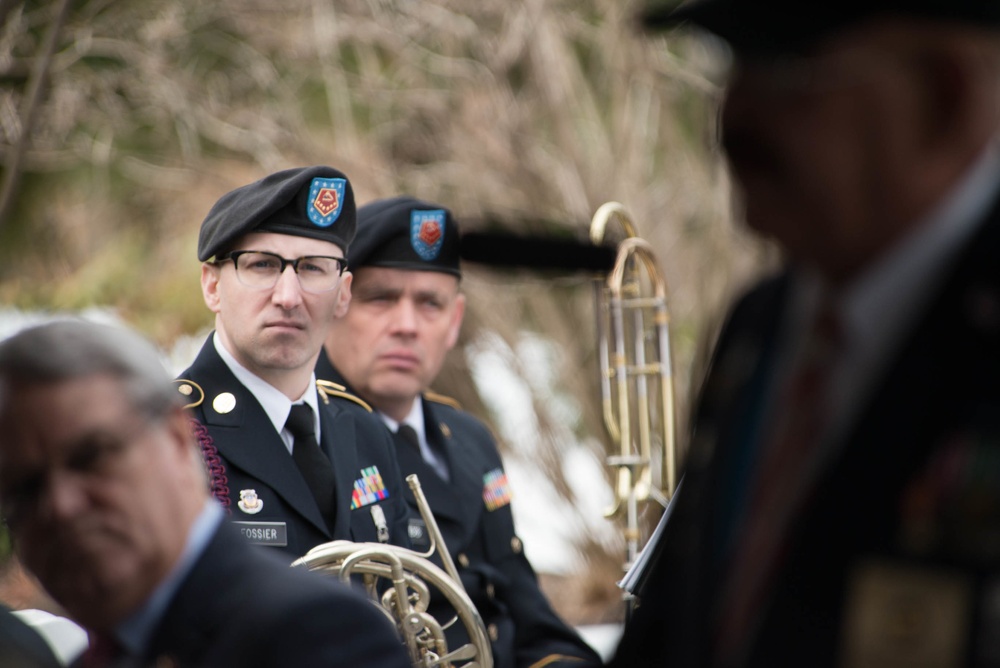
point(397, 385)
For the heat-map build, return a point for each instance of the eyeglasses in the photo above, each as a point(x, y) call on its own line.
point(260, 269)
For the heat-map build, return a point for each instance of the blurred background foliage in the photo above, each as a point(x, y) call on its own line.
point(122, 121)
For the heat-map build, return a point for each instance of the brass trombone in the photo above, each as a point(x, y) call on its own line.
point(636, 373)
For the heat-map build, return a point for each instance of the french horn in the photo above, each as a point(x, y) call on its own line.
point(411, 577)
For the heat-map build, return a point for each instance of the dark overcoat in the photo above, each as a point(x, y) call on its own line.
point(895, 557)
point(243, 606)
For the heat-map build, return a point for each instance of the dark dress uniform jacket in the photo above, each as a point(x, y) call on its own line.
point(243, 606)
point(896, 555)
point(487, 552)
point(252, 456)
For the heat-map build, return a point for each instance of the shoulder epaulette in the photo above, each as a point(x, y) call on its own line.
point(191, 391)
point(329, 389)
point(441, 399)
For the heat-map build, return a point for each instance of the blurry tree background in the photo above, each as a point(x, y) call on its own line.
point(122, 121)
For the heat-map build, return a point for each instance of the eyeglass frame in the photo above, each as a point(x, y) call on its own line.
point(285, 262)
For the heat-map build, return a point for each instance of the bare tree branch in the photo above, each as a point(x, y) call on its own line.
point(33, 97)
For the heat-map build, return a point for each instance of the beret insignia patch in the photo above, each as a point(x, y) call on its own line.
point(326, 198)
point(427, 232)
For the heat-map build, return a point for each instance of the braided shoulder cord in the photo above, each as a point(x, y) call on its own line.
point(216, 469)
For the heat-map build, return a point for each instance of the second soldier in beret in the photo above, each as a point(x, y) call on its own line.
point(405, 316)
point(294, 464)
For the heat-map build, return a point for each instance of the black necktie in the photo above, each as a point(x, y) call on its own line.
point(313, 464)
point(409, 435)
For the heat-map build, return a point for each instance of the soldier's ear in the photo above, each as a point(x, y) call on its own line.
point(344, 295)
point(456, 320)
point(210, 285)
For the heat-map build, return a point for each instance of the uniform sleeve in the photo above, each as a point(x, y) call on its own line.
point(541, 637)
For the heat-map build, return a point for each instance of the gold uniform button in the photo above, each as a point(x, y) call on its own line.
point(224, 403)
point(463, 560)
point(494, 633)
point(491, 591)
point(515, 544)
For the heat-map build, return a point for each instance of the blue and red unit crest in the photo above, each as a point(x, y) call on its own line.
point(326, 201)
point(427, 232)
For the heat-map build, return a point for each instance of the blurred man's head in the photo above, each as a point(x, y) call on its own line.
point(846, 123)
point(406, 309)
point(100, 478)
point(274, 271)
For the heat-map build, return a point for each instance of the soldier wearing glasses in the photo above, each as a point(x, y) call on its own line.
point(295, 464)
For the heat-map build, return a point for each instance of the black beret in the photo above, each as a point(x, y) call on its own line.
point(315, 202)
point(405, 233)
point(780, 26)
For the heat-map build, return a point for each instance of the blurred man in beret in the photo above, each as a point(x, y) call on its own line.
point(405, 316)
point(294, 465)
point(841, 501)
point(103, 488)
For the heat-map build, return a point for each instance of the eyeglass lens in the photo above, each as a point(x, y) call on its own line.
point(258, 269)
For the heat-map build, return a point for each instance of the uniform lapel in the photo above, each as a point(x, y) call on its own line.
point(339, 442)
point(731, 407)
point(687, 559)
point(197, 611)
point(344, 447)
point(952, 350)
point(466, 471)
point(440, 495)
